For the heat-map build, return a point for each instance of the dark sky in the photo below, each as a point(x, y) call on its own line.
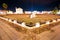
point(31, 4)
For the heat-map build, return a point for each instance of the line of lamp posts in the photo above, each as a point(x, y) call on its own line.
point(23, 24)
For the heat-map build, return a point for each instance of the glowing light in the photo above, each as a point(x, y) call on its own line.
point(1, 12)
point(54, 20)
point(34, 12)
point(10, 20)
point(28, 12)
point(15, 21)
point(38, 12)
point(43, 12)
point(19, 10)
point(37, 25)
point(47, 22)
point(23, 24)
point(58, 19)
point(9, 12)
point(58, 12)
point(48, 12)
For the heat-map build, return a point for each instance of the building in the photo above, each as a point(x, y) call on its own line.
point(28, 12)
point(58, 12)
point(9, 12)
point(46, 12)
point(3, 12)
point(19, 11)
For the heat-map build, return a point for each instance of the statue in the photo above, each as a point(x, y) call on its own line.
point(33, 15)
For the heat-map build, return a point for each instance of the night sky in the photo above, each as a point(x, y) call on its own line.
point(31, 5)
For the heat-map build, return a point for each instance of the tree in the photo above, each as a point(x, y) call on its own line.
point(55, 10)
point(4, 5)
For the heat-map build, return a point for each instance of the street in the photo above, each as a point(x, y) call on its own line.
point(9, 33)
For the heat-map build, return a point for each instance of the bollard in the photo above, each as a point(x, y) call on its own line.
point(10, 20)
point(54, 20)
point(58, 19)
point(37, 25)
point(15, 21)
point(47, 22)
point(23, 24)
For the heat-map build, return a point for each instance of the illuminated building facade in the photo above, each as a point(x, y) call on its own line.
point(19, 11)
